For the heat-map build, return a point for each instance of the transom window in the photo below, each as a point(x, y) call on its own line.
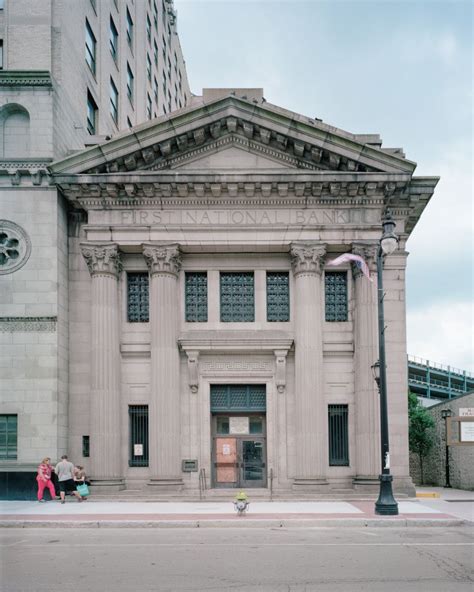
point(8, 437)
point(336, 295)
point(278, 296)
point(196, 297)
point(138, 299)
point(237, 297)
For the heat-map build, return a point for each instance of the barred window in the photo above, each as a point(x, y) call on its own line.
point(336, 295)
point(8, 437)
point(138, 444)
point(338, 435)
point(237, 297)
point(278, 297)
point(138, 306)
point(196, 297)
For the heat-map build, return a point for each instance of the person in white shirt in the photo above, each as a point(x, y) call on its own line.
point(65, 472)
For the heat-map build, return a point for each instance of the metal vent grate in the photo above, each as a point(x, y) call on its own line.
point(196, 297)
point(236, 397)
point(278, 297)
point(237, 297)
point(138, 306)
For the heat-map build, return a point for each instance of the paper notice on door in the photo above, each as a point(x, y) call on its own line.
point(226, 449)
point(239, 425)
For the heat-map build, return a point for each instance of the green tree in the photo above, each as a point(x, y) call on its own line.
point(420, 430)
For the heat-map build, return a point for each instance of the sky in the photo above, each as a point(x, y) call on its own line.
point(400, 68)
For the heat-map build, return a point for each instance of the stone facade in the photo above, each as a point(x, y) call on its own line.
point(234, 184)
point(461, 458)
point(44, 85)
point(227, 185)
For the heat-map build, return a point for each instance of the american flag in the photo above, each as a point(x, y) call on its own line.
point(361, 264)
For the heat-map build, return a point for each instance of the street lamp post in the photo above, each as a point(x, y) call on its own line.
point(386, 504)
point(446, 414)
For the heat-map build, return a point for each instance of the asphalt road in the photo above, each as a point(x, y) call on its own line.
point(431, 559)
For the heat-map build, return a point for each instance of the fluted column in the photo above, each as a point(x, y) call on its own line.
point(310, 405)
point(103, 261)
point(164, 263)
point(367, 425)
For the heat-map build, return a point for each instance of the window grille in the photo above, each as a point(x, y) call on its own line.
point(85, 446)
point(238, 397)
point(336, 296)
point(237, 297)
point(8, 437)
point(338, 435)
point(138, 416)
point(196, 297)
point(138, 299)
point(278, 297)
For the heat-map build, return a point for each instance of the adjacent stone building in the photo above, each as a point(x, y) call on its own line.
point(72, 73)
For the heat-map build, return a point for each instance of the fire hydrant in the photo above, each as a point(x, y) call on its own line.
point(241, 503)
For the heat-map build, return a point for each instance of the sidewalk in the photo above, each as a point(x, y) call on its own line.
point(103, 514)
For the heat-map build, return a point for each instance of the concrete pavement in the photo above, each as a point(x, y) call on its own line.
point(452, 509)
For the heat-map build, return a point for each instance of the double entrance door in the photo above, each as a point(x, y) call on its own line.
point(239, 460)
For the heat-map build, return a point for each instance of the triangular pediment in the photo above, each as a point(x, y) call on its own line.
point(236, 134)
point(230, 153)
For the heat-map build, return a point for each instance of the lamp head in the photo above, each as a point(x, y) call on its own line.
point(445, 413)
point(389, 240)
point(376, 371)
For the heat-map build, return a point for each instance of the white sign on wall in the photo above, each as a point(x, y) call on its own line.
point(467, 431)
point(466, 412)
point(239, 425)
point(138, 450)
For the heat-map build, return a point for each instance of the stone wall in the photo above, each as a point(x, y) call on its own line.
point(461, 458)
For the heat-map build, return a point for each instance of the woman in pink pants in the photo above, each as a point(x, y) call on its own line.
point(43, 479)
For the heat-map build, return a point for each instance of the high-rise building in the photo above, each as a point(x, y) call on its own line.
point(77, 71)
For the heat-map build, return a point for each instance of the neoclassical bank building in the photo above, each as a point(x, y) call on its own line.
point(185, 327)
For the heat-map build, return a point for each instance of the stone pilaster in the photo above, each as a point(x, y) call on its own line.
point(103, 261)
point(164, 263)
point(310, 404)
point(367, 404)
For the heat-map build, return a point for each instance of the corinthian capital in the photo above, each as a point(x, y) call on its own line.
point(102, 258)
point(307, 257)
point(162, 258)
point(368, 252)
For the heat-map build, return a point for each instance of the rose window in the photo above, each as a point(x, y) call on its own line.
point(15, 247)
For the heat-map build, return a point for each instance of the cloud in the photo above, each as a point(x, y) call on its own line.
point(443, 334)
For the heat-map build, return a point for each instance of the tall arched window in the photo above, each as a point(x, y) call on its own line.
point(14, 132)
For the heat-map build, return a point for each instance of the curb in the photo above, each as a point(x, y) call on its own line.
point(244, 523)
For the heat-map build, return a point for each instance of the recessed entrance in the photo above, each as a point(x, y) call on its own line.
point(238, 436)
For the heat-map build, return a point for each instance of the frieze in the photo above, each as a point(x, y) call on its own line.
point(28, 324)
point(235, 366)
point(237, 217)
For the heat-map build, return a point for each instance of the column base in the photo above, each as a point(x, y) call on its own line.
point(107, 484)
point(310, 484)
point(366, 483)
point(166, 484)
